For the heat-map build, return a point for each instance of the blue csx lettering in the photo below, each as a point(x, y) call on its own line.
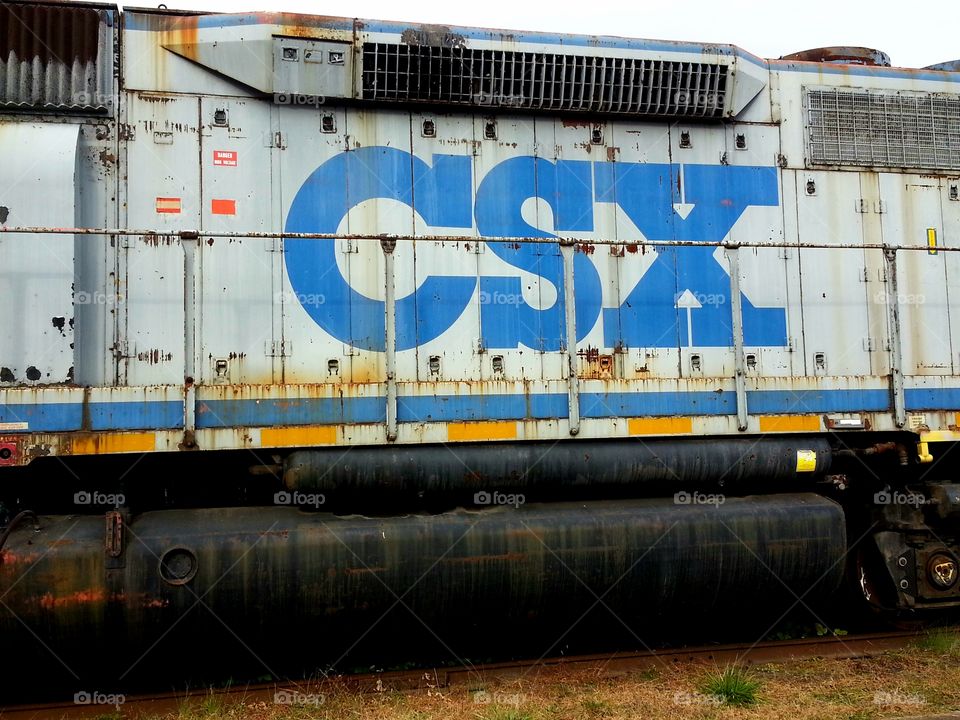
point(440, 193)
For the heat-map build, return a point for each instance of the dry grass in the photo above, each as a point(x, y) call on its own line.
point(922, 680)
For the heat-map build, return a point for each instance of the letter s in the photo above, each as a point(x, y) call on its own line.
point(568, 188)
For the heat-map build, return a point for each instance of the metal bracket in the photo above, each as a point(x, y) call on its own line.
point(278, 348)
point(570, 317)
point(390, 355)
point(896, 354)
point(740, 378)
point(114, 537)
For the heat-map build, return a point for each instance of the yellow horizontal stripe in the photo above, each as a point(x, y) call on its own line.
point(298, 436)
point(482, 431)
point(660, 426)
point(103, 443)
point(939, 436)
point(789, 423)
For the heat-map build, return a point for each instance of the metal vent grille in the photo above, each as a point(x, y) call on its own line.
point(542, 81)
point(885, 129)
point(56, 58)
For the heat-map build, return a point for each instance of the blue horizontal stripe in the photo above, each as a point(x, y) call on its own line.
point(602, 405)
point(932, 398)
point(66, 417)
point(442, 408)
point(772, 402)
point(161, 415)
point(291, 411)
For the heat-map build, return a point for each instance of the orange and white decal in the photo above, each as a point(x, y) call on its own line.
point(168, 205)
point(223, 207)
point(226, 158)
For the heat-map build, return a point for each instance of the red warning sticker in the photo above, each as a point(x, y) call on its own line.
point(227, 158)
point(223, 207)
point(168, 205)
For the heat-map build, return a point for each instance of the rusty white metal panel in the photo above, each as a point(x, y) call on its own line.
point(305, 352)
point(795, 351)
point(638, 143)
point(239, 283)
point(767, 274)
point(456, 355)
point(547, 215)
point(689, 146)
point(95, 298)
point(509, 297)
point(583, 142)
point(163, 194)
point(160, 53)
point(912, 218)
point(950, 206)
point(790, 81)
point(835, 318)
point(57, 57)
point(37, 273)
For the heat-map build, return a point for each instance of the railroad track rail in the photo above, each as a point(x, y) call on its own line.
point(609, 664)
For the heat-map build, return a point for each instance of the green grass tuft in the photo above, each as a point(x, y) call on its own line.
point(942, 641)
point(733, 686)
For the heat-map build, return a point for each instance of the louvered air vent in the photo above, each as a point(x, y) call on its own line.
point(542, 81)
point(883, 129)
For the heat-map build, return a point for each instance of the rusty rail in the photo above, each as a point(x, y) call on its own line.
point(617, 663)
point(557, 240)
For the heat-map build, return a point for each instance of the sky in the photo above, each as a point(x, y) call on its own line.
point(913, 34)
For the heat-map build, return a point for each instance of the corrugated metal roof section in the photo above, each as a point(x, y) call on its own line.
point(544, 81)
point(56, 57)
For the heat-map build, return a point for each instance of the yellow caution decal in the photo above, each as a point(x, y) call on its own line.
point(806, 461)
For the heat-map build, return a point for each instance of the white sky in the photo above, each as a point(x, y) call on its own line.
point(914, 34)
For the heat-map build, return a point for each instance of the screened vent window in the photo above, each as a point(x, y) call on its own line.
point(883, 128)
point(542, 81)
